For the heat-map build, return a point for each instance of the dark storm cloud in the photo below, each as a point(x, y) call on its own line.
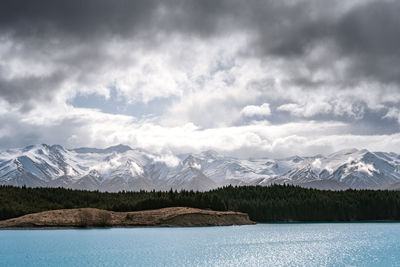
point(89, 19)
point(282, 20)
point(371, 29)
point(74, 18)
point(371, 35)
point(67, 34)
point(367, 35)
point(284, 27)
point(19, 90)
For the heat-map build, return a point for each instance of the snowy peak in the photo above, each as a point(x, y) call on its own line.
point(192, 162)
point(124, 168)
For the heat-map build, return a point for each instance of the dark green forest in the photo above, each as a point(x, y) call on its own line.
point(276, 203)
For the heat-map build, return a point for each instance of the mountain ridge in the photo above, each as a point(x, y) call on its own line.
point(121, 167)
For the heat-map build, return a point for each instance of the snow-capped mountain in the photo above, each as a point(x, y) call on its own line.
point(123, 168)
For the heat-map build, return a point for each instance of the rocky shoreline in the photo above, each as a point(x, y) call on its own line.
point(90, 217)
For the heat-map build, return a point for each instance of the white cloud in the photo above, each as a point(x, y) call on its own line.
point(335, 107)
point(168, 158)
point(252, 110)
point(393, 113)
point(306, 110)
point(316, 163)
point(75, 127)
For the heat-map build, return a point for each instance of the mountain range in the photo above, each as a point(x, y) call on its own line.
point(121, 167)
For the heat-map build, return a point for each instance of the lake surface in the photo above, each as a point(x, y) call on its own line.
point(325, 244)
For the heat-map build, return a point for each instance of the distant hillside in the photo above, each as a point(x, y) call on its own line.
point(263, 204)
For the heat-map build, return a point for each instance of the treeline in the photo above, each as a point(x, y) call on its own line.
point(275, 203)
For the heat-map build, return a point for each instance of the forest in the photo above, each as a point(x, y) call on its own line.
point(275, 203)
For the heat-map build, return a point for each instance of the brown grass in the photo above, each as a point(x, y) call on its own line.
point(89, 217)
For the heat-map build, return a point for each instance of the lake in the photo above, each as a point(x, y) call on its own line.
point(305, 244)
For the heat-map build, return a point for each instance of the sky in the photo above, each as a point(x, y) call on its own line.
point(244, 78)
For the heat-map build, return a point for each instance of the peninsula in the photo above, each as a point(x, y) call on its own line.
point(91, 217)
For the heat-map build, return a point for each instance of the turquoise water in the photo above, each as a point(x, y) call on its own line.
point(351, 244)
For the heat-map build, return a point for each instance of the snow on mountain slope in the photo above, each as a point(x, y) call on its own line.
point(123, 168)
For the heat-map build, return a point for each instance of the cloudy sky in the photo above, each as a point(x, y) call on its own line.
point(245, 78)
